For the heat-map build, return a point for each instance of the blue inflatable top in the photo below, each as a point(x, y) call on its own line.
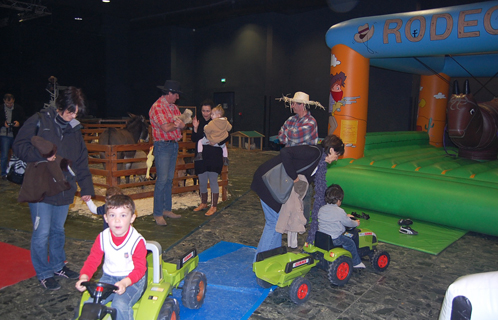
point(455, 40)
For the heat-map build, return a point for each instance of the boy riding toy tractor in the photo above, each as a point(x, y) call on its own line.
point(155, 302)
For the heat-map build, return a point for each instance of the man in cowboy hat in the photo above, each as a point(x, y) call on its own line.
point(300, 128)
point(166, 129)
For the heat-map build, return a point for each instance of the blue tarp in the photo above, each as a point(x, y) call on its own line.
point(232, 290)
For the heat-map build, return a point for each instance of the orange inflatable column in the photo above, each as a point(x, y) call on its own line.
point(349, 72)
point(432, 102)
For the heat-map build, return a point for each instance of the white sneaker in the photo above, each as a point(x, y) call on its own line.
point(359, 266)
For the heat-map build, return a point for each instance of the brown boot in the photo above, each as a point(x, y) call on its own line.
point(204, 200)
point(160, 221)
point(171, 215)
point(214, 204)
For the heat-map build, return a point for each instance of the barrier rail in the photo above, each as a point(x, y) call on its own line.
point(111, 175)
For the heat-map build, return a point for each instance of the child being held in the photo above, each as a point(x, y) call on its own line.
point(111, 191)
point(215, 132)
point(124, 252)
point(333, 221)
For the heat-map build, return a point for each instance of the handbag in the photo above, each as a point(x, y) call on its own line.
point(279, 183)
point(17, 167)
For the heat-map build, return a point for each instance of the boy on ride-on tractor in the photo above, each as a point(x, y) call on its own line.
point(333, 221)
point(125, 257)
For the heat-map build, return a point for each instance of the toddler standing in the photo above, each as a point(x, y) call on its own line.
point(111, 191)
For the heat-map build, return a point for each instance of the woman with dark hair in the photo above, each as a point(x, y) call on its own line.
point(315, 158)
point(211, 164)
point(59, 126)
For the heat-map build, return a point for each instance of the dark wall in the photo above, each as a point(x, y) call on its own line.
point(33, 53)
point(261, 56)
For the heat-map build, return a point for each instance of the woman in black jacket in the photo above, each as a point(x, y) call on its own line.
point(293, 159)
point(211, 164)
point(59, 126)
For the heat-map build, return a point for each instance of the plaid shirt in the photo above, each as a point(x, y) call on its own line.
point(160, 113)
point(297, 131)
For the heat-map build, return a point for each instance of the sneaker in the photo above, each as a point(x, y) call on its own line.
point(50, 284)
point(67, 273)
point(359, 266)
point(407, 230)
point(405, 222)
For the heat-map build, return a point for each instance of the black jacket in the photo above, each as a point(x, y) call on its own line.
point(17, 115)
point(293, 159)
point(70, 145)
point(212, 156)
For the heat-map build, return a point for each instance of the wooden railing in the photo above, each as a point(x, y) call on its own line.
point(106, 167)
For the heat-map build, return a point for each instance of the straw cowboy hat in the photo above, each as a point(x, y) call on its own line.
point(300, 97)
point(171, 86)
point(364, 33)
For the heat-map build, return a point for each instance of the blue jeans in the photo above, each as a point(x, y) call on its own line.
point(6, 143)
point(165, 154)
point(48, 238)
point(348, 244)
point(123, 303)
point(270, 239)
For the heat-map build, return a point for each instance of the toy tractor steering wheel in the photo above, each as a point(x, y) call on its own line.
point(352, 228)
point(99, 291)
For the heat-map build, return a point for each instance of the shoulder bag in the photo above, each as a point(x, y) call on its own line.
point(279, 183)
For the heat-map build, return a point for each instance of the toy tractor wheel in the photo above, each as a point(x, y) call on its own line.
point(380, 260)
point(263, 283)
point(170, 310)
point(299, 290)
point(340, 270)
point(194, 290)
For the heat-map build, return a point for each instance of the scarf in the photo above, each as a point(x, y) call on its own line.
point(320, 187)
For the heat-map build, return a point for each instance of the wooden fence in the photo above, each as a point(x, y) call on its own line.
point(111, 176)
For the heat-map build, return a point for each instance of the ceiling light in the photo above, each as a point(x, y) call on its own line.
point(106, 1)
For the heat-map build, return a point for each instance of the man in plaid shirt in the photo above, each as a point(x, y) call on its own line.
point(166, 129)
point(300, 128)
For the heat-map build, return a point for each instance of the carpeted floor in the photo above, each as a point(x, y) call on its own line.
point(15, 265)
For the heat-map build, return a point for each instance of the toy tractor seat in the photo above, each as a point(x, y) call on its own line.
point(324, 241)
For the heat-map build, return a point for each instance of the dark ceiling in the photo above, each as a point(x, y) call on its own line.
point(147, 13)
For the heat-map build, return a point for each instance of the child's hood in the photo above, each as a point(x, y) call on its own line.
point(222, 124)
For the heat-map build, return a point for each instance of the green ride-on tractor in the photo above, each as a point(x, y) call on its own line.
point(155, 302)
point(338, 262)
point(285, 269)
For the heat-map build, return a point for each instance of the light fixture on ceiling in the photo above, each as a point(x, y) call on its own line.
point(106, 1)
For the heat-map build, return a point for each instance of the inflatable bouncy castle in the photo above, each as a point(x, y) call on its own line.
point(408, 174)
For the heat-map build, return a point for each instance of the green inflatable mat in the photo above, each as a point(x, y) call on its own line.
point(432, 238)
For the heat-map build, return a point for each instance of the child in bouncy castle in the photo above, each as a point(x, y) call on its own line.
point(124, 252)
point(333, 220)
point(214, 132)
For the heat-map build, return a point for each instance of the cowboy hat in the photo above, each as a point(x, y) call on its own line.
point(300, 97)
point(364, 33)
point(171, 86)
